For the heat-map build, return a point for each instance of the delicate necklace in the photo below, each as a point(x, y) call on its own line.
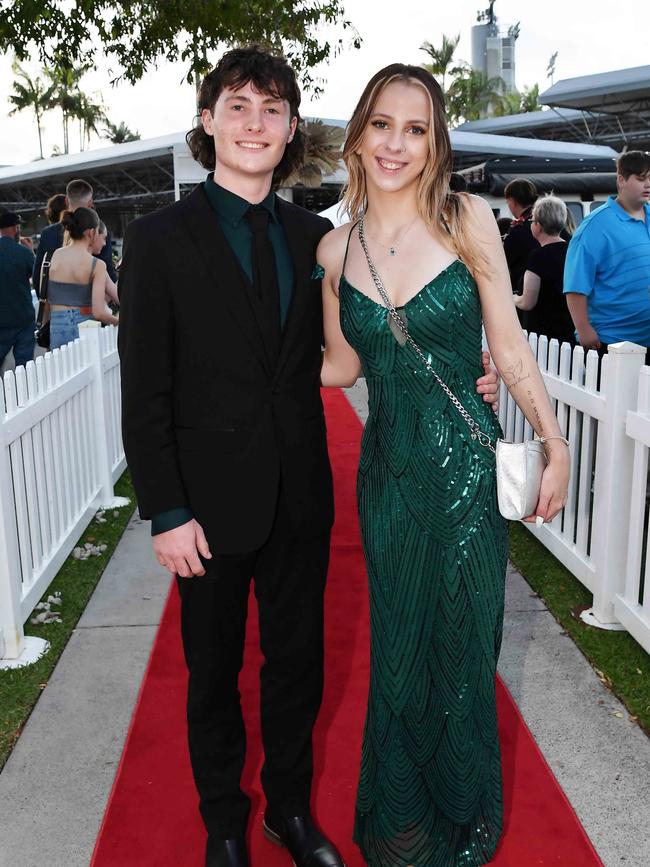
point(392, 250)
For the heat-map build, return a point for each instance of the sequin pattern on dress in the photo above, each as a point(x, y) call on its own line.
point(435, 546)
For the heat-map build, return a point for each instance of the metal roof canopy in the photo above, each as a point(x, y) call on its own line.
point(502, 145)
point(147, 173)
point(560, 124)
point(135, 172)
point(611, 108)
point(617, 92)
point(143, 174)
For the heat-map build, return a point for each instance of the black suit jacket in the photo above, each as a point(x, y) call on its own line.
point(208, 423)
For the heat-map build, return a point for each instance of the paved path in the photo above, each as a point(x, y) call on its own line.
point(54, 788)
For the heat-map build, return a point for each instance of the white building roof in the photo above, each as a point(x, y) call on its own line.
point(612, 91)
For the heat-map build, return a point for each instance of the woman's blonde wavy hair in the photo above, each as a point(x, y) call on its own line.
point(440, 208)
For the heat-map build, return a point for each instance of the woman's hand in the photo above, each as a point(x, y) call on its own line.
point(488, 384)
point(555, 483)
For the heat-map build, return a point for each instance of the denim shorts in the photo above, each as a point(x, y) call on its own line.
point(64, 326)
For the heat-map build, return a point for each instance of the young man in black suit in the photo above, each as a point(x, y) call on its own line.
point(220, 345)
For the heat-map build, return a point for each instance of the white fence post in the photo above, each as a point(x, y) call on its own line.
point(90, 333)
point(11, 625)
point(15, 648)
point(633, 606)
point(613, 481)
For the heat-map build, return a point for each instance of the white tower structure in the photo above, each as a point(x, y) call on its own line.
point(493, 51)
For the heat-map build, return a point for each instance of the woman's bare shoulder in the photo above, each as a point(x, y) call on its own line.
point(332, 247)
point(474, 205)
point(479, 218)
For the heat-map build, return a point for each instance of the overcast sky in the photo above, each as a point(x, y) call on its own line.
point(590, 37)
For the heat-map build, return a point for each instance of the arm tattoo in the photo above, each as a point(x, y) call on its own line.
point(515, 374)
point(536, 411)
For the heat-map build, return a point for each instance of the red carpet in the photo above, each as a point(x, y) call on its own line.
point(152, 818)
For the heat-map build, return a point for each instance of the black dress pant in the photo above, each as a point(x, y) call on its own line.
point(289, 573)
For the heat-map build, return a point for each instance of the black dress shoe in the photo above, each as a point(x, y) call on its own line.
point(226, 853)
point(308, 846)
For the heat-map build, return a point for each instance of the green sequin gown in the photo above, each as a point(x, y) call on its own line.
point(436, 549)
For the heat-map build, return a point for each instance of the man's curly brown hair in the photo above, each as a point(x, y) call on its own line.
point(268, 73)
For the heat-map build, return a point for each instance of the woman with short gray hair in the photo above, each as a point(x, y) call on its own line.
point(542, 292)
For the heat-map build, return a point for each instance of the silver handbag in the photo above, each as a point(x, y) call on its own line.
point(519, 477)
point(519, 466)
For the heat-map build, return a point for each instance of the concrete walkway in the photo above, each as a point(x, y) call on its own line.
point(54, 788)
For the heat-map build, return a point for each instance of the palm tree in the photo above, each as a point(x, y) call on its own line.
point(89, 114)
point(519, 103)
point(510, 104)
point(473, 94)
point(441, 58)
point(530, 99)
point(65, 80)
point(323, 150)
point(119, 133)
point(31, 93)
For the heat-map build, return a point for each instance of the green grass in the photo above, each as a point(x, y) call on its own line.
point(619, 661)
point(76, 580)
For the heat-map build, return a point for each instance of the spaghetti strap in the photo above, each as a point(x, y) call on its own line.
point(347, 248)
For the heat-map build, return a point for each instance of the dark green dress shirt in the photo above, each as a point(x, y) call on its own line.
point(231, 210)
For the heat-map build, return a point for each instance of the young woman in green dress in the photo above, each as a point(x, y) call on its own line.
point(435, 544)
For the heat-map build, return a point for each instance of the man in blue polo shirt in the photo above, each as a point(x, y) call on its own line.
point(607, 271)
point(17, 323)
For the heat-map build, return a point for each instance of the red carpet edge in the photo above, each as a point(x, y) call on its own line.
point(151, 818)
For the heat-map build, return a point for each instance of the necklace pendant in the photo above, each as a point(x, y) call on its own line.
point(391, 251)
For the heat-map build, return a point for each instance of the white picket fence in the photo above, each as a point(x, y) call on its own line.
point(60, 454)
point(602, 535)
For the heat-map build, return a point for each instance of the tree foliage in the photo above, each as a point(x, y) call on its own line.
point(323, 151)
point(472, 94)
point(31, 93)
point(441, 58)
point(119, 133)
point(134, 34)
point(90, 113)
point(519, 102)
point(67, 95)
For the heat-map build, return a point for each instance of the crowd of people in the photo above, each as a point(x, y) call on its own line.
point(588, 286)
point(72, 273)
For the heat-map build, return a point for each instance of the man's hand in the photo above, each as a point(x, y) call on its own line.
point(178, 549)
point(588, 338)
point(488, 385)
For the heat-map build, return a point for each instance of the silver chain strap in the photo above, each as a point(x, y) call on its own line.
point(475, 429)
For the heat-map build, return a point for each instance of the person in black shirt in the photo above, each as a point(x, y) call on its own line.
point(542, 294)
point(520, 196)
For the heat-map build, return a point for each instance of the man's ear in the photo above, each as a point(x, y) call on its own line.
point(292, 129)
point(208, 121)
